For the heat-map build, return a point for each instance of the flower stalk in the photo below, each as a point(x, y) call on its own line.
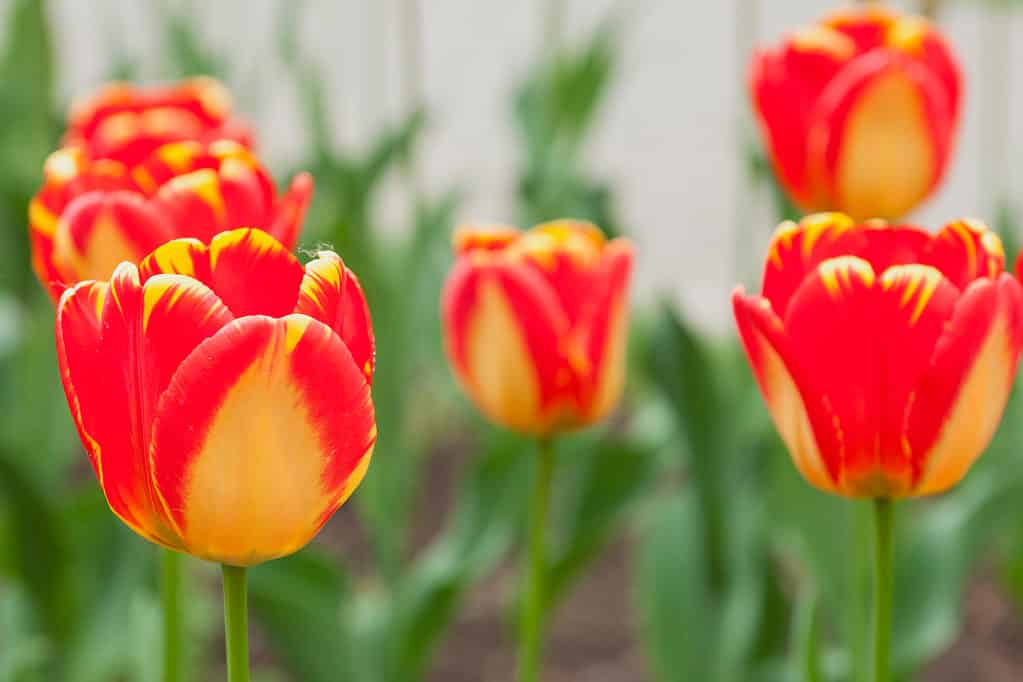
point(534, 604)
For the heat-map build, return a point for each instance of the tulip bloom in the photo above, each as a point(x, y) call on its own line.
point(93, 213)
point(859, 112)
point(535, 323)
point(126, 123)
point(222, 393)
point(885, 353)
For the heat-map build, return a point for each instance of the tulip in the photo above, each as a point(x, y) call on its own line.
point(886, 356)
point(93, 213)
point(126, 123)
point(535, 323)
point(859, 111)
point(222, 393)
point(535, 328)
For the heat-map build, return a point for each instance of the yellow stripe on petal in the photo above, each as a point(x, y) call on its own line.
point(205, 184)
point(923, 281)
point(501, 375)
point(41, 218)
point(972, 422)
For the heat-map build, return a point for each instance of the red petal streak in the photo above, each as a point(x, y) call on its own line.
point(265, 430)
point(331, 293)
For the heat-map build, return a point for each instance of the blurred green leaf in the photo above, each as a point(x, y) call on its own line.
point(555, 109)
point(611, 475)
point(679, 620)
point(807, 640)
point(482, 528)
point(298, 600)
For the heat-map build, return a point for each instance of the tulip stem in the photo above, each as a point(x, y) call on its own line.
point(173, 631)
point(236, 623)
point(884, 588)
point(535, 599)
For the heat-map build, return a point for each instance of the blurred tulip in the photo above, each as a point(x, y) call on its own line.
point(885, 353)
point(222, 393)
point(92, 214)
point(126, 123)
point(859, 111)
point(535, 323)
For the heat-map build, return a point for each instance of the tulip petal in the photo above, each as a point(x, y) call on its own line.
point(605, 325)
point(961, 397)
point(880, 135)
point(331, 293)
point(763, 339)
point(78, 330)
point(290, 210)
point(265, 430)
point(861, 346)
point(99, 230)
point(784, 85)
point(966, 250)
point(113, 378)
point(254, 274)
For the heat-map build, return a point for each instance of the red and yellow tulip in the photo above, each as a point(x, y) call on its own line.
point(535, 323)
point(222, 393)
point(885, 353)
point(93, 213)
point(859, 111)
point(126, 123)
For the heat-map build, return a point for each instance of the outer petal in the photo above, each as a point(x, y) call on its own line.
point(263, 433)
point(604, 326)
point(331, 293)
point(861, 346)
point(290, 210)
point(960, 399)
point(503, 326)
point(112, 382)
point(763, 338)
point(784, 85)
point(78, 329)
point(880, 136)
point(99, 230)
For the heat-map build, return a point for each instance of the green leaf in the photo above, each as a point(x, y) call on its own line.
point(807, 640)
point(610, 476)
point(298, 600)
point(678, 619)
point(483, 525)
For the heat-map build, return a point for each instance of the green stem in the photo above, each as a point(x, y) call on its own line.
point(236, 623)
point(173, 630)
point(533, 604)
point(884, 588)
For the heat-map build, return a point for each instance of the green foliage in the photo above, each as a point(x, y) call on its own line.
point(556, 109)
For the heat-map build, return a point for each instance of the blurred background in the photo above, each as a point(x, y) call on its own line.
point(685, 546)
